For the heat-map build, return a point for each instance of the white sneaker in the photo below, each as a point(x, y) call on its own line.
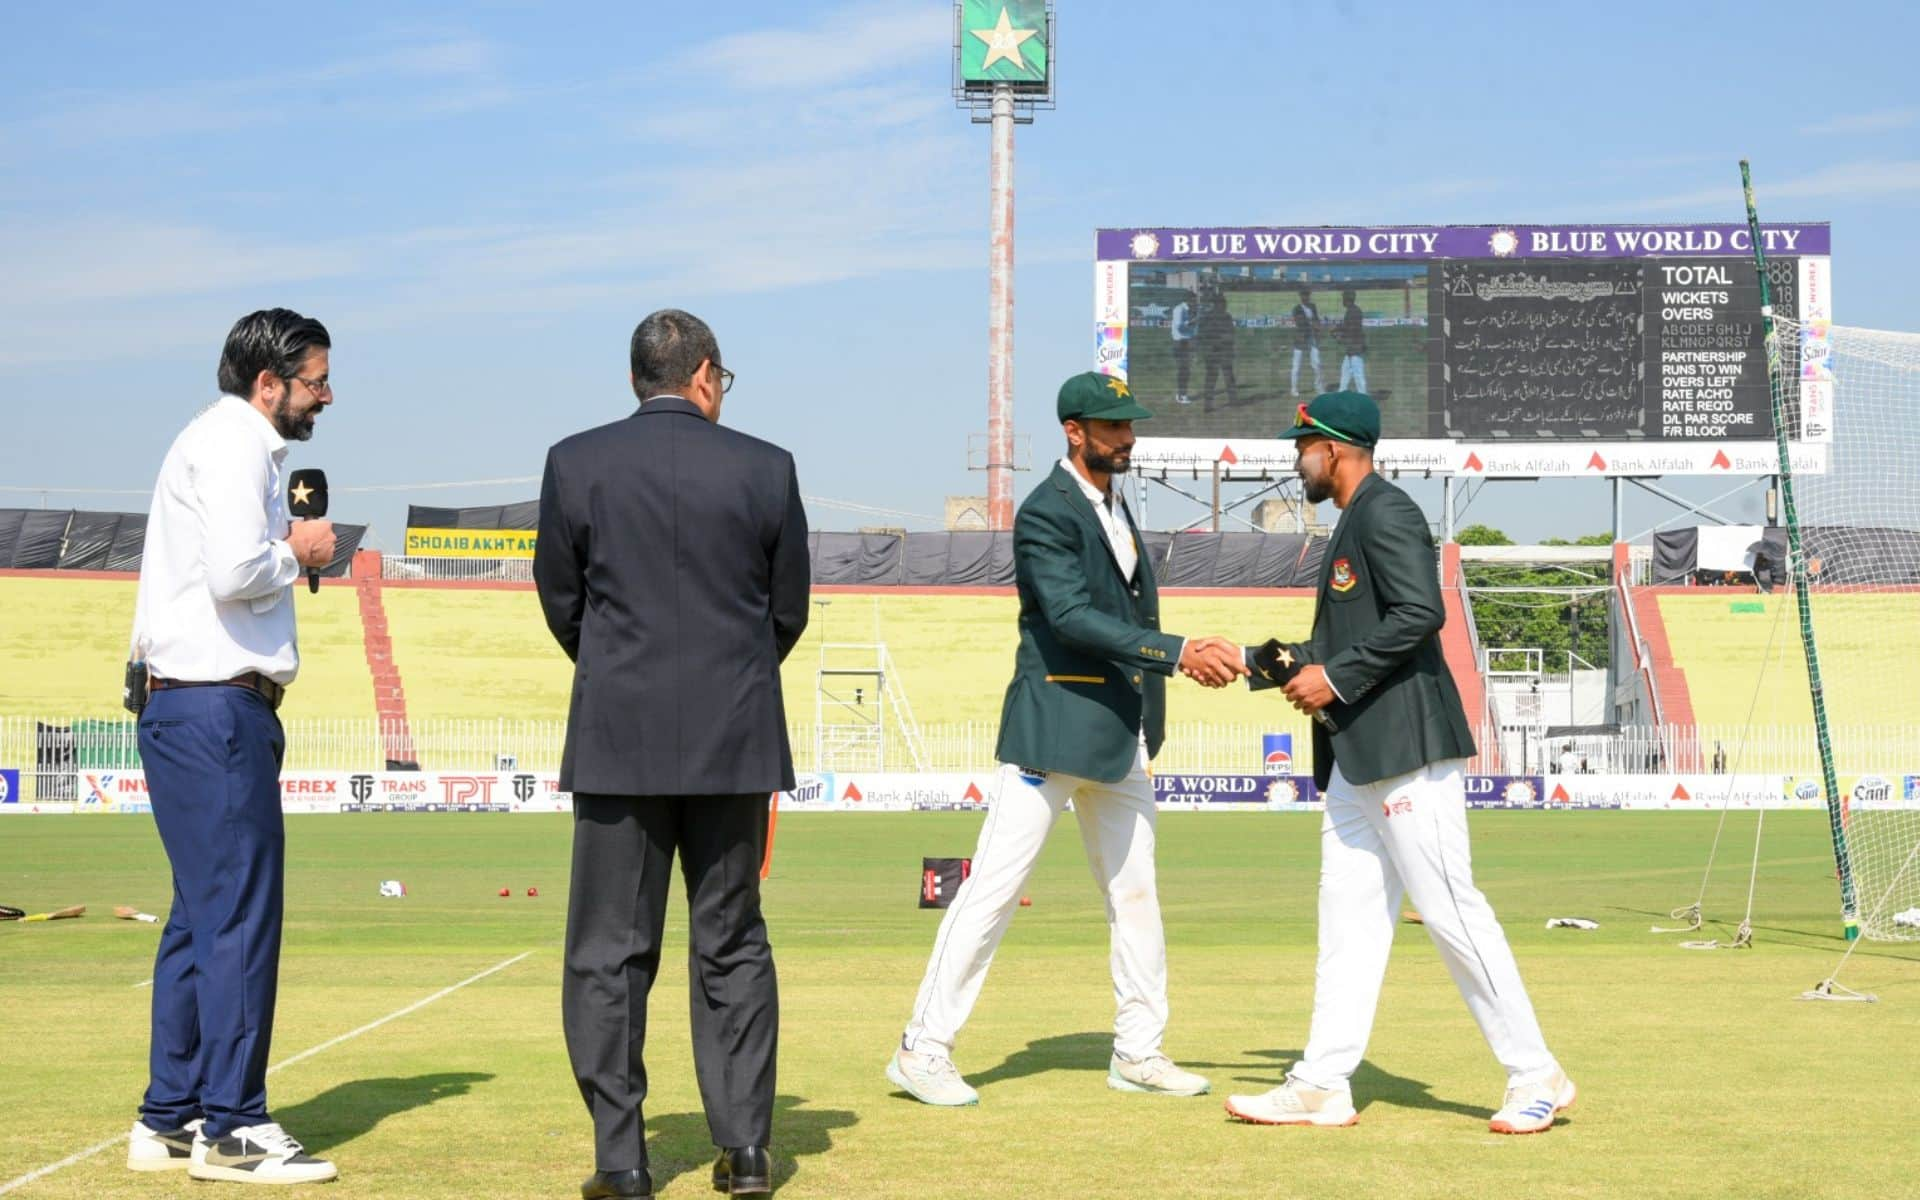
point(930, 1079)
point(1155, 1073)
point(258, 1154)
point(161, 1149)
point(1530, 1108)
point(1295, 1103)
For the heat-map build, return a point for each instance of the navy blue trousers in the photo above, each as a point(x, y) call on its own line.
point(212, 757)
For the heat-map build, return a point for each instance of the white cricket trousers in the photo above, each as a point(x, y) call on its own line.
point(1353, 373)
point(1407, 835)
point(1116, 826)
point(1313, 352)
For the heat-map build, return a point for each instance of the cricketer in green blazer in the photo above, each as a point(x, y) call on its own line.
point(1376, 626)
point(1089, 678)
point(1091, 672)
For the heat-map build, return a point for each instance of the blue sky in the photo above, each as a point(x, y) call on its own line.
point(480, 200)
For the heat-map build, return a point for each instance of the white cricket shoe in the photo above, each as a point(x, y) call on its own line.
point(1530, 1108)
point(161, 1149)
point(1155, 1073)
point(1295, 1103)
point(258, 1154)
point(930, 1079)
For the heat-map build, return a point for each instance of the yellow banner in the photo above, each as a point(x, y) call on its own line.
point(470, 543)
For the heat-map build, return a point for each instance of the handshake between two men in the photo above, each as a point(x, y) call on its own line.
point(1216, 662)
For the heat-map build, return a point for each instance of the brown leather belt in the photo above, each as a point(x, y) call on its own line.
point(253, 681)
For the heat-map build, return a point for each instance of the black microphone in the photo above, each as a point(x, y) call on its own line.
point(307, 498)
point(1277, 660)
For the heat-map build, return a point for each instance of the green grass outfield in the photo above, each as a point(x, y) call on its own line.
point(1699, 1073)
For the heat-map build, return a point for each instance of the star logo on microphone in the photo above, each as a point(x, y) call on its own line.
point(300, 492)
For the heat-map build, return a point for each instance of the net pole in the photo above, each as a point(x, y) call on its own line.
point(1776, 387)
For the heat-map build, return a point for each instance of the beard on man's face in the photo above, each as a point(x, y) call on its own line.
point(1316, 481)
point(1113, 463)
point(291, 425)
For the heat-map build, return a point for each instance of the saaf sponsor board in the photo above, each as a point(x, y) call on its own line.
point(811, 792)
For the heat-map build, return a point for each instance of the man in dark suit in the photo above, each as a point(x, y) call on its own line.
point(672, 567)
point(1390, 744)
point(1084, 714)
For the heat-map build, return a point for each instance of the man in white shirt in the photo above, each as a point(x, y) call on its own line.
point(214, 626)
point(1181, 327)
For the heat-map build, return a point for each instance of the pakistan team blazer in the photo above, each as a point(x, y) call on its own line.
point(1376, 633)
point(1090, 674)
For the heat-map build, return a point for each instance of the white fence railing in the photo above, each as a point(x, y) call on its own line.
point(63, 747)
point(402, 567)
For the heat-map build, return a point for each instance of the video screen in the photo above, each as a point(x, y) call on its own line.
point(1232, 350)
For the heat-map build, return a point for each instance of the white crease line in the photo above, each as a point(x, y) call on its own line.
point(330, 1043)
point(143, 983)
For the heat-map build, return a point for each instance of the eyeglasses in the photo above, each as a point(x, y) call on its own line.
point(726, 379)
point(319, 387)
point(1303, 421)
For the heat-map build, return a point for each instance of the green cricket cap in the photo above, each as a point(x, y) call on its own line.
point(1350, 417)
point(1104, 397)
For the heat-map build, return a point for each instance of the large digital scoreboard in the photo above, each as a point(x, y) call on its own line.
point(1494, 350)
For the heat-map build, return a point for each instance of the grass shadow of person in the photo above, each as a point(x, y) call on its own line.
point(1369, 1084)
point(1065, 1052)
point(680, 1142)
point(344, 1112)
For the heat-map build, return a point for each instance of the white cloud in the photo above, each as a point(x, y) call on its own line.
point(852, 44)
point(871, 176)
point(1880, 121)
point(1843, 181)
point(427, 78)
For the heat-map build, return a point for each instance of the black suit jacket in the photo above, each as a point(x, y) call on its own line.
point(672, 566)
point(1376, 633)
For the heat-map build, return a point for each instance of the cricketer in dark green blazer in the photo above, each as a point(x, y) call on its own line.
point(1376, 623)
point(1091, 672)
point(1090, 676)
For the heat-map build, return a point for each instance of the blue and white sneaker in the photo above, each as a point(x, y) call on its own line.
point(161, 1149)
point(1530, 1108)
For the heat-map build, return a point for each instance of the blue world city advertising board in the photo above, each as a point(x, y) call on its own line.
point(1493, 350)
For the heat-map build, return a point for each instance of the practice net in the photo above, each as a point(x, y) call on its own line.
point(1856, 528)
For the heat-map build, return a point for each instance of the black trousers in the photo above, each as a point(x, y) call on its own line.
point(623, 849)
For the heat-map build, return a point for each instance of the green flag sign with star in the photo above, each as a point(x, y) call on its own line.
point(1003, 41)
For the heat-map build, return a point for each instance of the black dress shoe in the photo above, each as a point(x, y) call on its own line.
point(618, 1185)
point(746, 1171)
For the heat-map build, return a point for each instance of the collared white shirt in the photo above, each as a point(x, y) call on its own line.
point(1113, 521)
point(1180, 323)
point(216, 575)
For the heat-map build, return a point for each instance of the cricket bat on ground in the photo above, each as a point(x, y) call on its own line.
point(127, 912)
point(61, 914)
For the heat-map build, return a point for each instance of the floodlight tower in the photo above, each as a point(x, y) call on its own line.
point(1002, 72)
